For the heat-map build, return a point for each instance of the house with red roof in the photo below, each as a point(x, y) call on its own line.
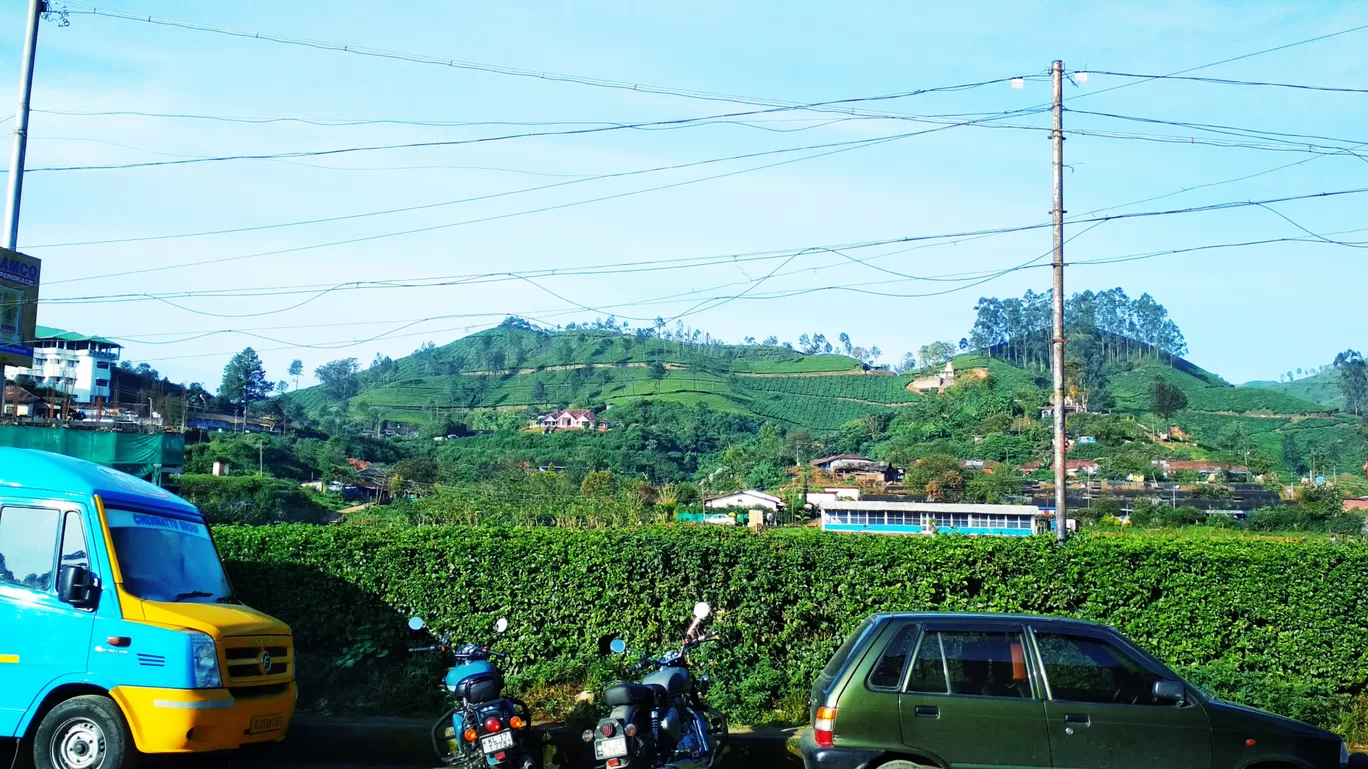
point(568, 419)
point(1072, 467)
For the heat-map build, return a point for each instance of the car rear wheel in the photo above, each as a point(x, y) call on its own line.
point(85, 732)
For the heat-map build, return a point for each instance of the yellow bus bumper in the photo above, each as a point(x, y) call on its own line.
point(201, 720)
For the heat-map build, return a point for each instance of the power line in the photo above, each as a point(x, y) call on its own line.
point(599, 128)
point(189, 336)
point(788, 256)
point(1223, 81)
point(478, 198)
point(524, 73)
point(313, 165)
point(1287, 146)
point(847, 146)
point(840, 147)
point(1241, 57)
point(352, 122)
point(1279, 136)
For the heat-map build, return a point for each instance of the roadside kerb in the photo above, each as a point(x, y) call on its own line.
point(384, 740)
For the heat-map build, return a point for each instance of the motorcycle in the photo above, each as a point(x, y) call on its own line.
point(487, 728)
point(662, 722)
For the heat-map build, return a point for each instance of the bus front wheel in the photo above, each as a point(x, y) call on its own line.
point(86, 732)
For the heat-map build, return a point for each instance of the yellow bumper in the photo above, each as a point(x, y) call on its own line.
point(200, 720)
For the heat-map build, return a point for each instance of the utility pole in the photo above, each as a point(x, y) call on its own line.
point(21, 118)
point(1057, 141)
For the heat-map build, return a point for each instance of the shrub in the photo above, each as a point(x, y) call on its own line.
point(251, 500)
point(1273, 624)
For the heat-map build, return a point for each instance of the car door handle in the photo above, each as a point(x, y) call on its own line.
point(1077, 718)
point(926, 711)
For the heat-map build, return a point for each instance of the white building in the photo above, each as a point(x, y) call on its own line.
point(750, 499)
point(70, 363)
point(831, 494)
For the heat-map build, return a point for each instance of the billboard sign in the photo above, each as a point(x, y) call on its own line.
point(18, 307)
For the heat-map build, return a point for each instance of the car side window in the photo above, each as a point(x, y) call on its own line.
point(1086, 669)
point(28, 547)
point(971, 663)
point(888, 671)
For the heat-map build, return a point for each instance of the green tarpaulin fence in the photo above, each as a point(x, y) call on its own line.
point(134, 453)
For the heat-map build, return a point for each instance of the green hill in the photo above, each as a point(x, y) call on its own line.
point(1205, 391)
point(519, 368)
point(1320, 388)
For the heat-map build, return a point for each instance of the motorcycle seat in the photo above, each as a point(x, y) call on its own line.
point(630, 694)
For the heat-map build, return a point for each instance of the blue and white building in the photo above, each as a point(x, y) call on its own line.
point(936, 518)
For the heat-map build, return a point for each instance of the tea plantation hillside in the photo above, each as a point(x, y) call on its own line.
point(520, 370)
point(1319, 388)
point(515, 368)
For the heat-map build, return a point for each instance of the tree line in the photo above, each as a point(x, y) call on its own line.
point(1019, 329)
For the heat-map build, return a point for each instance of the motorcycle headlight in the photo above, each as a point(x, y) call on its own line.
point(204, 662)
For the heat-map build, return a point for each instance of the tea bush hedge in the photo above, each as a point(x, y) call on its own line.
point(1275, 624)
point(250, 499)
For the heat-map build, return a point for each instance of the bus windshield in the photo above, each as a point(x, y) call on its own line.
point(166, 559)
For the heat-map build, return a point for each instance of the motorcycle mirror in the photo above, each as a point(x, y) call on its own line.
point(502, 625)
point(618, 646)
point(416, 623)
point(702, 611)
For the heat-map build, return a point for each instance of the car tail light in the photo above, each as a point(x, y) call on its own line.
point(824, 727)
point(471, 735)
point(516, 722)
point(493, 724)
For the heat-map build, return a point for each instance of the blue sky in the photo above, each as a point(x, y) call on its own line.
point(1247, 313)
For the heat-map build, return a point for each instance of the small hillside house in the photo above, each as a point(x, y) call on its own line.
point(853, 467)
point(569, 419)
point(749, 499)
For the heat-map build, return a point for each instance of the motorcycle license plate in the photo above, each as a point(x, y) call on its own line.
point(497, 742)
point(610, 748)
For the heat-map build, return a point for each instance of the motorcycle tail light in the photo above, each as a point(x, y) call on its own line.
point(471, 735)
point(588, 735)
point(606, 729)
point(516, 722)
point(824, 727)
point(631, 730)
point(493, 724)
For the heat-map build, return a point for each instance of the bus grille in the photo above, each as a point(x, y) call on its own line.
point(258, 660)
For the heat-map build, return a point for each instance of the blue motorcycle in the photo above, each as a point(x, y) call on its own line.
point(487, 729)
point(662, 722)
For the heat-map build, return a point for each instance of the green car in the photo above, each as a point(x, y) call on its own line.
point(993, 690)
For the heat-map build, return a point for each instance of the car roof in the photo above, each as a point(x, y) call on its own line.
point(46, 471)
point(1036, 619)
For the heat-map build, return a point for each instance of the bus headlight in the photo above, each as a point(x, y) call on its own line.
point(204, 662)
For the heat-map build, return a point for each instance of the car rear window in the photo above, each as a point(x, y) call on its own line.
point(888, 671)
point(838, 659)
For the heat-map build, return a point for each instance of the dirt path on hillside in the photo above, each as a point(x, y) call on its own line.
point(848, 372)
point(668, 367)
point(1298, 417)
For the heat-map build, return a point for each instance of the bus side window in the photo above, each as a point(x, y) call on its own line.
point(74, 552)
point(28, 539)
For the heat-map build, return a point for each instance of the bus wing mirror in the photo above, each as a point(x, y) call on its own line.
point(77, 586)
